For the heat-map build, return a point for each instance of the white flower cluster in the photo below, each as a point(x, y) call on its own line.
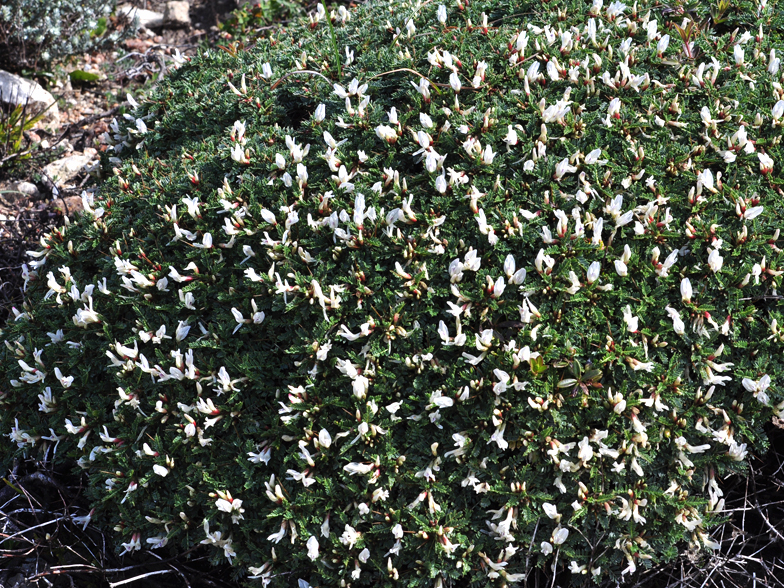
point(577, 240)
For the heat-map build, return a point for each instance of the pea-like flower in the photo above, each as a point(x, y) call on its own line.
point(551, 511)
point(593, 272)
point(765, 163)
point(662, 45)
point(559, 536)
point(313, 548)
point(686, 291)
point(632, 322)
point(758, 388)
point(715, 261)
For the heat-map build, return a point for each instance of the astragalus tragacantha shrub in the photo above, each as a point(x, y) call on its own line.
point(496, 290)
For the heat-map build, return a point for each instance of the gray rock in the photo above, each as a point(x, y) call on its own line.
point(64, 170)
point(15, 90)
point(27, 188)
point(144, 18)
point(176, 14)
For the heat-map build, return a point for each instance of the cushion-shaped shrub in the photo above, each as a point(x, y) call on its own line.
point(424, 293)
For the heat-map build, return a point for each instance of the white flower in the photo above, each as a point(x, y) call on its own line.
point(614, 108)
point(562, 168)
point(349, 536)
point(560, 535)
point(552, 71)
point(358, 468)
point(706, 179)
point(778, 110)
point(765, 163)
point(325, 440)
point(266, 71)
point(754, 212)
point(386, 133)
point(661, 46)
point(313, 547)
point(677, 323)
point(593, 158)
point(264, 455)
point(593, 272)
point(441, 13)
point(488, 155)
point(498, 437)
point(321, 111)
point(551, 511)
point(380, 494)
point(135, 542)
point(160, 470)
point(532, 74)
point(275, 537)
point(585, 453)
point(615, 9)
point(686, 290)
point(715, 261)
point(638, 365)
point(620, 268)
point(364, 555)
point(66, 381)
point(739, 54)
point(632, 322)
point(423, 87)
point(547, 548)
point(498, 288)
point(758, 388)
point(360, 387)
point(575, 568)
point(737, 452)
point(575, 287)
point(774, 63)
point(441, 184)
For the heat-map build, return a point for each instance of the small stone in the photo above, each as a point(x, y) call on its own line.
point(69, 206)
point(27, 188)
point(176, 14)
point(65, 169)
point(144, 18)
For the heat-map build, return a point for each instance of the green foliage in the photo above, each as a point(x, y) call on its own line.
point(245, 23)
point(81, 76)
point(13, 124)
point(503, 295)
point(38, 32)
